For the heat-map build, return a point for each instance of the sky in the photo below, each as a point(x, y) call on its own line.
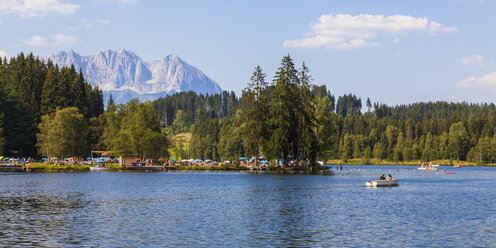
point(393, 52)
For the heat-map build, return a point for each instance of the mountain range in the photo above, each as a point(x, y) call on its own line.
point(125, 75)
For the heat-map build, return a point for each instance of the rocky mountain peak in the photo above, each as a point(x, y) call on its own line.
point(122, 72)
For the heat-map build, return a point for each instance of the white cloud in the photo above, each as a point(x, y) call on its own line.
point(61, 39)
point(474, 59)
point(86, 23)
point(3, 54)
point(121, 2)
point(346, 31)
point(37, 7)
point(103, 21)
point(36, 41)
point(486, 81)
point(127, 1)
point(54, 40)
point(395, 41)
point(436, 27)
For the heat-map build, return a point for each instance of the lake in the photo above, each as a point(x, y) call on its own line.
point(241, 209)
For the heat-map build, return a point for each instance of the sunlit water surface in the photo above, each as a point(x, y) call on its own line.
point(240, 209)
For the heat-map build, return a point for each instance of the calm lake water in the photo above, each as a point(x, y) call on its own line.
point(240, 209)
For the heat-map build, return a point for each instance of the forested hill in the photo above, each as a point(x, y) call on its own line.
point(225, 126)
point(419, 112)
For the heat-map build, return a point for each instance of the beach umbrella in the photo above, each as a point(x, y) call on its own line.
point(173, 160)
point(1, 157)
point(105, 154)
point(191, 160)
point(66, 159)
point(208, 160)
point(89, 158)
point(198, 160)
point(43, 159)
point(16, 159)
point(55, 158)
point(264, 162)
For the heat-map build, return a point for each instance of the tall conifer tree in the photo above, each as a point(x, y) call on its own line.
point(256, 110)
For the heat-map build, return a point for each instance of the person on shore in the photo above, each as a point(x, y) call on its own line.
point(389, 177)
point(382, 177)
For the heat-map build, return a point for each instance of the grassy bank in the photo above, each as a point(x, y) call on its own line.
point(359, 161)
point(42, 167)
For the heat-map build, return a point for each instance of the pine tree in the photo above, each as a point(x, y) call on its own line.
point(326, 129)
point(255, 113)
point(110, 101)
point(305, 113)
point(283, 121)
point(50, 92)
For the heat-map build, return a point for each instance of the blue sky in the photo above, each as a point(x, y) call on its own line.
point(395, 52)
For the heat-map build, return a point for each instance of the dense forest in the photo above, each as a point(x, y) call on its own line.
point(50, 111)
point(31, 88)
point(291, 119)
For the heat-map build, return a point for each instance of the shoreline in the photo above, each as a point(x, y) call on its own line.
point(38, 167)
point(359, 162)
